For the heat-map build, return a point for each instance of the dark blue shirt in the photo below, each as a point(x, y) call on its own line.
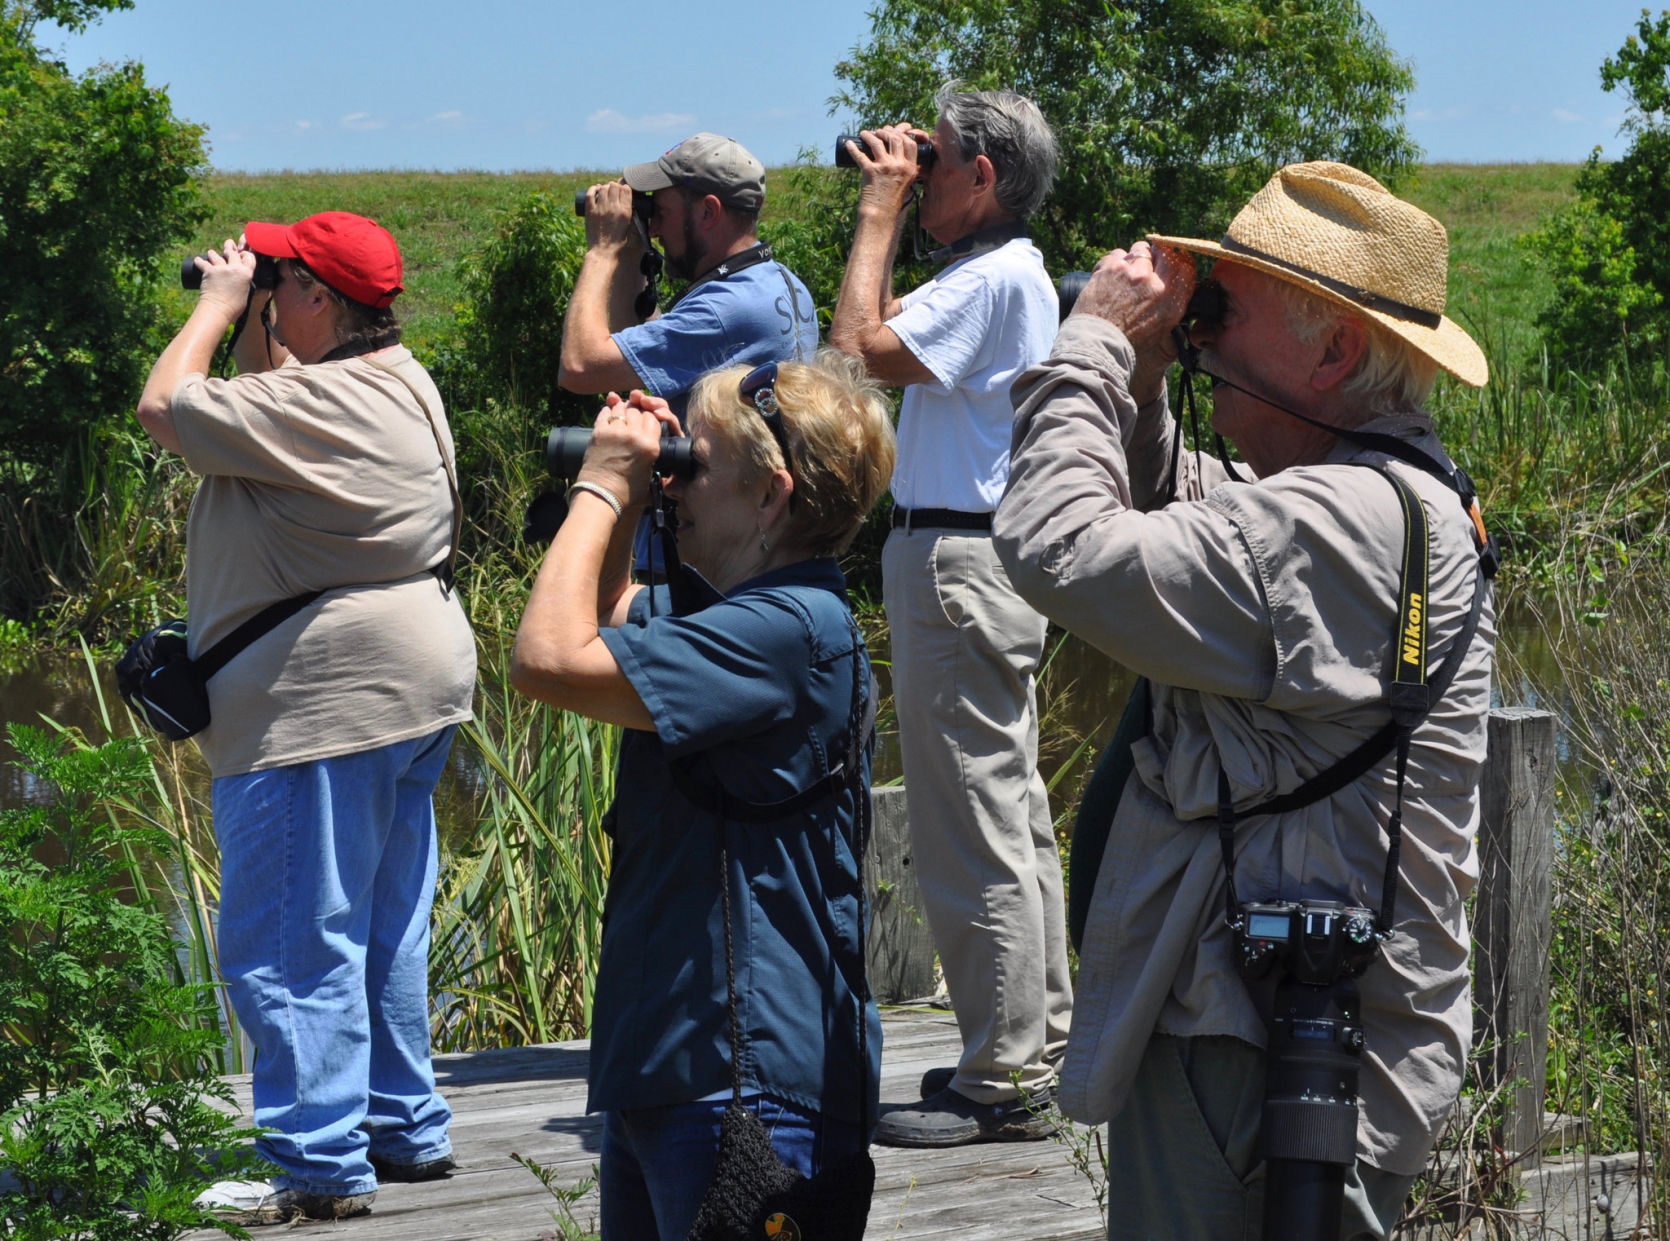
point(757, 689)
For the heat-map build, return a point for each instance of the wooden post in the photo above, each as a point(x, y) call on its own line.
point(900, 950)
point(1511, 918)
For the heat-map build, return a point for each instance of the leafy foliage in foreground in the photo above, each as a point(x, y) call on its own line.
point(107, 1116)
point(1169, 116)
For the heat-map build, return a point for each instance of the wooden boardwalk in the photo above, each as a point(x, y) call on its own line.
point(531, 1100)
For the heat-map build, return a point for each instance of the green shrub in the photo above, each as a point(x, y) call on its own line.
point(1610, 253)
point(97, 182)
point(509, 329)
point(107, 1116)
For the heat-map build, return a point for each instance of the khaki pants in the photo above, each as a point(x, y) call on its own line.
point(965, 649)
point(1183, 1161)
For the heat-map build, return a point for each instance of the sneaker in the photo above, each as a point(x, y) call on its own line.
point(263, 1202)
point(422, 1170)
point(947, 1118)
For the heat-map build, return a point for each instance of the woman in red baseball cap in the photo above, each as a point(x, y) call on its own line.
point(328, 481)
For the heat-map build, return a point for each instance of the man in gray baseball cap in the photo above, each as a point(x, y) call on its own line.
point(707, 164)
point(702, 201)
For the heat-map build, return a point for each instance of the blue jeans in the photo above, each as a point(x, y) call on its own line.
point(657, 1161)
point(327, 872)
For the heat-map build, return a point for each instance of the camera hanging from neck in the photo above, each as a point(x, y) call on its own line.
point(1411, 695)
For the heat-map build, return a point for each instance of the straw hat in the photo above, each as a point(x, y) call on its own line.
point(1341, 234)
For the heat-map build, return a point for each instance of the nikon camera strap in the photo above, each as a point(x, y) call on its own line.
point(1410, 697)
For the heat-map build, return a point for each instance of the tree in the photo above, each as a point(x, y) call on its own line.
point(1169, 113)
point(98, 179)
point(1609, 252)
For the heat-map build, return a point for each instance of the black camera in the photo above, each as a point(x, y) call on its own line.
point(1315, 1046)
point(925, 153)
point(642, 205)
point(1316, 942)
point(266, 273)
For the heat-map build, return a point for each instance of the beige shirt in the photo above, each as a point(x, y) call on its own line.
point(323, 477)
point(1263, 615)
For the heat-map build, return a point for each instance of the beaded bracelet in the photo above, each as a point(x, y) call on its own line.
point(598, 490)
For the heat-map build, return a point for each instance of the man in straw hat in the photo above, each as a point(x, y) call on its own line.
point(1261, 615)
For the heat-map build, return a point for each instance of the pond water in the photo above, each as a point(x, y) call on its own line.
point(1085, 693)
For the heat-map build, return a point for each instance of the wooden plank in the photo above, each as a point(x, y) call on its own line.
point(900, 951)
point(531, 1100)
point(1512, 918)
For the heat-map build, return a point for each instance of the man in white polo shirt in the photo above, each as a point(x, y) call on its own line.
point(965, 647)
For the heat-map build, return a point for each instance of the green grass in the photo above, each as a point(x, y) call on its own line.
point(1496, 285)
point(437, 218)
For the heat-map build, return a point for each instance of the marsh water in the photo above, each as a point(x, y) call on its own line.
point(1086, 693)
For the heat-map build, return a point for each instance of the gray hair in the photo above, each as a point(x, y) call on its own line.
point(1009, 130)
point(1391, 377)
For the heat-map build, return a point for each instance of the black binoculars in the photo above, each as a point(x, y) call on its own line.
point(1206, 304)
point(642, 204)
point(266, 273)
point(565, 449)
point(925, 153)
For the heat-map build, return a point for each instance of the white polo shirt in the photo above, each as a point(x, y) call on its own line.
point(977, 326)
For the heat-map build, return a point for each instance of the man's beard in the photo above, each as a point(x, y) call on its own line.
point(693, 260)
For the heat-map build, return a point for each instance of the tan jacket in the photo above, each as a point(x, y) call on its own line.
point(1263, 615)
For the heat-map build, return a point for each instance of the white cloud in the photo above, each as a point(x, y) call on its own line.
point(608, 121)
point(362, 122)
point(452, 120)
point(1567, 117)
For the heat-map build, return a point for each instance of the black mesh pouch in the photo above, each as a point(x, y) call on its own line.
point(754, 1197)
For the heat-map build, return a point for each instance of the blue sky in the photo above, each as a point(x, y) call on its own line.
point(515, 84)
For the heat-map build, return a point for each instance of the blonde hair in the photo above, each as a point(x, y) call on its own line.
point(1391, 377)
point(839, 434)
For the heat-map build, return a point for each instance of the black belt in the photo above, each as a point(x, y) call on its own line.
point(941, 518)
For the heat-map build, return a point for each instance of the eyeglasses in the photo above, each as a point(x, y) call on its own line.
point(759, 388)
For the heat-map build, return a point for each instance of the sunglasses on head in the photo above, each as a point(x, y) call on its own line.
point(759, 389)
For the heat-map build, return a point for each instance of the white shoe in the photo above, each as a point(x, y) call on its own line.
point(249, 1202)
point(262, 1202)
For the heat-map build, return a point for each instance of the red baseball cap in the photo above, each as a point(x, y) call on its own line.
point(352, 254)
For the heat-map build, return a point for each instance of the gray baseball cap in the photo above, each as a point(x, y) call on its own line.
point(707, 164)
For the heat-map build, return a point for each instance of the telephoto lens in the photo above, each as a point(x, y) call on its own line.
point(565, 449)
point(1309, 1125)
point(844, 159)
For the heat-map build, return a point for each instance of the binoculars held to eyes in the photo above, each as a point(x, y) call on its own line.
point(266, 273)
point(642, 205)
point(565, 449)
point(925, 153)
point(1206, 305)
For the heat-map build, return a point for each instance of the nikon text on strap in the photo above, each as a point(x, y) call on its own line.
point(1410, 697)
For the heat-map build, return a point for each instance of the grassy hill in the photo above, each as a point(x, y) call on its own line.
point(1495, 286)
